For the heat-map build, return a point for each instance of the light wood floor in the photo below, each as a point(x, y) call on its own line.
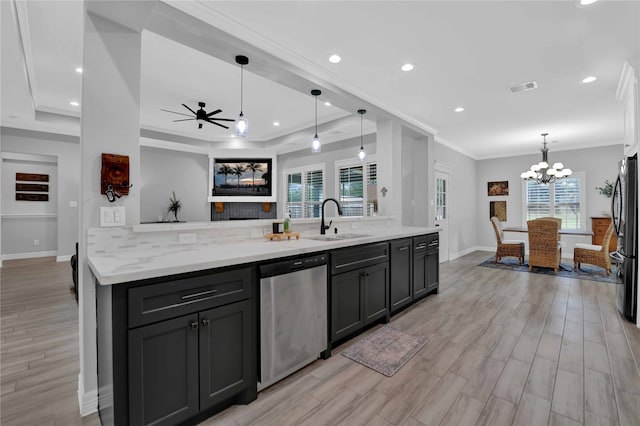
point(39, 345)
point(506, 348)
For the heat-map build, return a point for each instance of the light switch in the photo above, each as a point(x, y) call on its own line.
point(112, 216)
point(73, 204)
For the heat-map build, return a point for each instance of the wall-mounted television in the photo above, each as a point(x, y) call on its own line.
point(242, 179)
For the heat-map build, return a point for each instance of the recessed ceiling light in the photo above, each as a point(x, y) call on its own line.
point(327, 103)
point(589, 79)
point(587, 2)
point(79, 70)
point(407, 67)
point(74, 103)
point(459, 109)
point(276, 123)
point(334, 59)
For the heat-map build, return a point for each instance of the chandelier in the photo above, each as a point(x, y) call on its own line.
point(541, 172)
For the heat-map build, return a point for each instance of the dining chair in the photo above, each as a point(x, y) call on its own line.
point(594, 254)
point(544, 244)
point(512, 248)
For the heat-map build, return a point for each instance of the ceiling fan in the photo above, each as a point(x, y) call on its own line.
point(201, 114)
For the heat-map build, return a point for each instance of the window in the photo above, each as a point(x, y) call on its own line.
point(357, 188)
point(305, 191)
point(563, 199)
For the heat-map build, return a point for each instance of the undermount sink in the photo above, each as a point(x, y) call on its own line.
point(336, 237)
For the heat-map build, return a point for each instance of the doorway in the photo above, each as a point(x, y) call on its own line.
point(442, 197)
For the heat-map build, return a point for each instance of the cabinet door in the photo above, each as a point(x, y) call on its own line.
point(401, 289)
point(433, 270)
point(419, 273)
point(375, 292)
point(346, 306)
point(163, 372)
point(225, 352)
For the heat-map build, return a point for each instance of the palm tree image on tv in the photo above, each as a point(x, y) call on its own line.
point(247, 182)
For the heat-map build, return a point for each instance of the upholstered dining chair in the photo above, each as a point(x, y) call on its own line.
point(513, 248)
point(594, 254)
point(544, 244)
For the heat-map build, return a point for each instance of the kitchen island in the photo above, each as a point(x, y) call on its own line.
point(177, 323)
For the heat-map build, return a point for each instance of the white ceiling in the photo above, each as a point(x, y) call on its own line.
point(466, 53)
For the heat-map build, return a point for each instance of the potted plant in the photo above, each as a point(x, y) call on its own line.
point(174, 205)
point(606, 189)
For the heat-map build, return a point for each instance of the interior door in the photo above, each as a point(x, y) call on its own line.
point(442, 212)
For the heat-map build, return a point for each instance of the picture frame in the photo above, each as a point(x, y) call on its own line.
point(498, 188)
point(498, 209)
point(242, 178)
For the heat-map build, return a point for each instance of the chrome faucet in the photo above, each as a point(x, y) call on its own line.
point(323, 228)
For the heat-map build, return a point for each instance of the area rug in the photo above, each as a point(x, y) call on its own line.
point(385, 350)
point(585, 272)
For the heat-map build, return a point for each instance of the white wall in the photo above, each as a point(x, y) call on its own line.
point(597, 163)
point(462, 198)
point(163, 171)
point(29, 227)
point(67, 151)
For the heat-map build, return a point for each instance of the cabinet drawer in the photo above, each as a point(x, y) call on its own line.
point(170, 299)
point(351, 258)
point(433, 241)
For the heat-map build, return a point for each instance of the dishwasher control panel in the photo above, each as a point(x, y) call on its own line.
point(291, 265)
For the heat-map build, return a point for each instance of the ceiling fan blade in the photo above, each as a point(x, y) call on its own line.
point(214, 112)
point(222, 119)
point(194, 113)
point(185, 119)
point(217, 124)
point(174, 112)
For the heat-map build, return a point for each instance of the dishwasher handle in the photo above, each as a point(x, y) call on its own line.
point(292, 265)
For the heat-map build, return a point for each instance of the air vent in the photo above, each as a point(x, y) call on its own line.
point(530, 85)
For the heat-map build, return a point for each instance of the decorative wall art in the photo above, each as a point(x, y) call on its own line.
point(498, 209)
point(498, 188)
point(28, 189)
point(115, 173)
point(242, 177)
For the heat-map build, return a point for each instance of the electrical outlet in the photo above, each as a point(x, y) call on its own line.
point(36, 242)
point(187, 238)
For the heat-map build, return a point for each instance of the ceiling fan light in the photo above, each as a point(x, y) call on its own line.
point(242, 126)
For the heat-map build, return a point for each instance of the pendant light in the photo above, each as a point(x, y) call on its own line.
point(362, 154)
point(242, 125)
point(315, 144)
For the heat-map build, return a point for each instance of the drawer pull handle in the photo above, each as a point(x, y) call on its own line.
point(403, 248)
point(202, 293)
point(205, 322)
point(194, 325)
point(433, 244)
point(421, 246)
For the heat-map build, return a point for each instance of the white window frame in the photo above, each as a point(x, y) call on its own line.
point(370, 159)
point(302, 170)
point(582, 176)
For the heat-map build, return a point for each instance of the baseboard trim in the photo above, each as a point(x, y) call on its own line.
point(87, 401)
point(64, 258)
point(29, 255)
point(454, 256)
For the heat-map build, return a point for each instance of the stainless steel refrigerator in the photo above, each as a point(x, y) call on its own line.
point(624, 208)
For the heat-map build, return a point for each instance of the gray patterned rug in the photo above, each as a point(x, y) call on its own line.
point(385, 350)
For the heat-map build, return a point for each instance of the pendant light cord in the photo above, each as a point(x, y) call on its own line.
point(316, 116)
point(361, 144)
point(241, 86)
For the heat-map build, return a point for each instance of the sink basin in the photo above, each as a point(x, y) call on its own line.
point(336, 237)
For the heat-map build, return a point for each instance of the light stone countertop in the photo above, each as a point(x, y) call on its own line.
point(134, 264)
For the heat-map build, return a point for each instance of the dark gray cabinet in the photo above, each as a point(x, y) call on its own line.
point(425, 265)
point(163, 366)
point(401, 279)
point(359, 288)
point(177, 349)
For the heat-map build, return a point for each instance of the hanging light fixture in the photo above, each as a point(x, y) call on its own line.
point(362, 154)
point(242, 125)
point(315, 144)
point(542, 173)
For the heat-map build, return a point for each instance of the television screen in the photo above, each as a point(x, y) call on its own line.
point(242, 177)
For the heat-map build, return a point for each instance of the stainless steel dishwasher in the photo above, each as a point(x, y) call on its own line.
point(293, 316)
